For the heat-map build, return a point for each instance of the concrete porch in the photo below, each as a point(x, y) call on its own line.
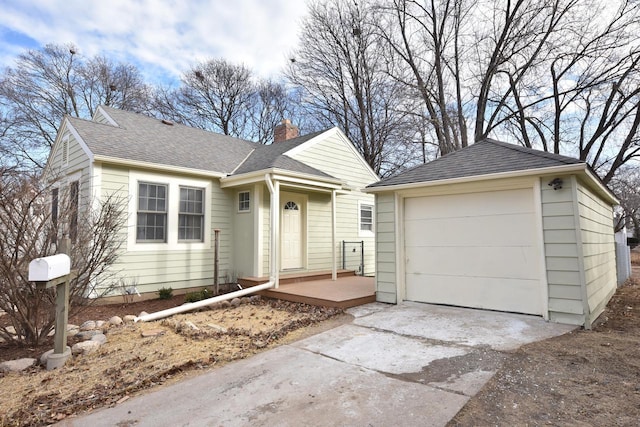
point(317, 288)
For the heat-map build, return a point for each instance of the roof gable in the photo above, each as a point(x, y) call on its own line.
point(482, 158)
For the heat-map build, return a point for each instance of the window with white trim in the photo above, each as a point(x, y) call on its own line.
point(244, 201)
point(152, 213)
point(191, 215)
point(366, 218)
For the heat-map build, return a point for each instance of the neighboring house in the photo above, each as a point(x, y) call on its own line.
point(501, 227)
point(284, 207)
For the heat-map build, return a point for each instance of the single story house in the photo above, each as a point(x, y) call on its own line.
point(501, 227)
point(283, 207)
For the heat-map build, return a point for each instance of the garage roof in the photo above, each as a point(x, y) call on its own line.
point(482, 158)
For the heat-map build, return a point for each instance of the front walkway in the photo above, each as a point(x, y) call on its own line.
point(404, 365)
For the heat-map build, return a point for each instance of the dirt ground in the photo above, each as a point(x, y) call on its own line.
point(129, 362)
point(584, 378)
point(581, 378)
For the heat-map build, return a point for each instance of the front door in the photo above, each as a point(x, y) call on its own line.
point(292, 232)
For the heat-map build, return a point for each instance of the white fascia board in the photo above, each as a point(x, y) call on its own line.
point(64, 127)
point(603, 189)
point(280, 175)
point(335, 131)
point(157, 166)
point(106, 116)
point(579, 167)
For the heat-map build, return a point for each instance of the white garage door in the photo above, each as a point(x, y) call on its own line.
point(474, 250)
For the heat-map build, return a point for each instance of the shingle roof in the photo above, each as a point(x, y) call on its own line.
point(141, 138)
point(482, 158)
point(272, 156)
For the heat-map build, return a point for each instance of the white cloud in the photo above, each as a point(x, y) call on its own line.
point(162, 37)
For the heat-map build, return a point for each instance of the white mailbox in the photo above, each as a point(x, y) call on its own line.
point(49, 268)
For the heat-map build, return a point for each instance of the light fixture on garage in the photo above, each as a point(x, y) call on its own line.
point(556, 184)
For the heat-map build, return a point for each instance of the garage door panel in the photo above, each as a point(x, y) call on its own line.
point(503, 230)
point(472, 204)
point(474, 250)
point(511, 262)
point(519, 296)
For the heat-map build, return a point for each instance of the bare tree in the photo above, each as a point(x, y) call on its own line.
point(217, 95)
point(626, 185)
point(47, 84)
point(344, 80)
point(31, 215)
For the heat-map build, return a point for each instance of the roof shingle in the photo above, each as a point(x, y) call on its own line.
point(482, 158)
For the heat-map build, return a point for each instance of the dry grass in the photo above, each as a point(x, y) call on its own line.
point(129, 363)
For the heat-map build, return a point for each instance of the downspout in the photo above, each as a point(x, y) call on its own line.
point(274, 191)
point(205, 302)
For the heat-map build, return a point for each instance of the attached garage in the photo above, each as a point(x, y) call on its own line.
point(500, 227)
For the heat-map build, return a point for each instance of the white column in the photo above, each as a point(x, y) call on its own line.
point(334, 271)
point(275, 234)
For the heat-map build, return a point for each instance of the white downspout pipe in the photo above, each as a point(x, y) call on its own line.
point(199, 304)
point(274, 191)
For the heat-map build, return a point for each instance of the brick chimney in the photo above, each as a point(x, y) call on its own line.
point(285, 130)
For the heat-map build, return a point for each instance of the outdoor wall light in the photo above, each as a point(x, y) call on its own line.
point(556, 184)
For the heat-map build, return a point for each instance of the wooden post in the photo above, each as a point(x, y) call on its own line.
point(216, 250)
point(62, 304)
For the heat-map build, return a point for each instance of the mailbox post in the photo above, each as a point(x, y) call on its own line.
point(48, 272)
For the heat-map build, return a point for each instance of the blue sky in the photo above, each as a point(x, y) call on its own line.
point(161, 37)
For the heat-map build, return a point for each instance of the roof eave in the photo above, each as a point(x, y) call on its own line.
point(282, 175)
point(157, 166)
point(577, 167)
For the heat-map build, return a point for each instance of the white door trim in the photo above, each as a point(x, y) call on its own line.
point(301, 201)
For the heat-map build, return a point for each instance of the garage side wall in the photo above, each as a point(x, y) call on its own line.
point(561, 252)
point(598, 248)
point(386, 235)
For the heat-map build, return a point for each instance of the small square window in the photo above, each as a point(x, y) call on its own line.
point(244, 201)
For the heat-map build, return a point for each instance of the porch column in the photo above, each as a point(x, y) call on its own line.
point(275, 234)
point(334, 267)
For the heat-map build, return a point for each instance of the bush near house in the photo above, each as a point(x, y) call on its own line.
point(31, 222)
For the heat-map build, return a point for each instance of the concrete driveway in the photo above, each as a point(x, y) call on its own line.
point(404, 365)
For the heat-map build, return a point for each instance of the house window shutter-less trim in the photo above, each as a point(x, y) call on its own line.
point(365, 218)
point(244, 201)
point(152, 213)
point(191, 215)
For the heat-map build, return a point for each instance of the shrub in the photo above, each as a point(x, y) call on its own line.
point(165, 293)
point(197, 296)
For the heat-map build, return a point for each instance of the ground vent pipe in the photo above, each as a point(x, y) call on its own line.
point(205, 302)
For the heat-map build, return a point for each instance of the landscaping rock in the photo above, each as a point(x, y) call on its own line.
point(100, 324)
point(72, 330)
point(17, 365)
point(225, 304)
point(260, 344)
point(152, 333)
point(255, 298)
point(11, 330)
point(217, 327)
point(116, 321)
point(101, 338)
point(89, 325)
point(85, 347)
point(142, 313)
point(235, 302)
point(189, 325)
point(129, 318)
point(87, 335)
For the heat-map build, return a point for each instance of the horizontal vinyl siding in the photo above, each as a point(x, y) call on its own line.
point(596, 228)
point(177, 267)
point(561, 253)
point(334, 157)
point(244, 234)
point(386, 235)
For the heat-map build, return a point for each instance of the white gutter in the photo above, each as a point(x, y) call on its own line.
point(205, 302)
point(274, 214)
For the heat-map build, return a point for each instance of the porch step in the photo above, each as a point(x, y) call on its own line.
point(290, 278)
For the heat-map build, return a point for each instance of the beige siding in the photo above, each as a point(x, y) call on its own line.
point(100, 118)
point(385, 217)
point(175, 265)
point(243, 234)
point(77, 162)
point(335, 157)
point(596, 229)
point(561, 253)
